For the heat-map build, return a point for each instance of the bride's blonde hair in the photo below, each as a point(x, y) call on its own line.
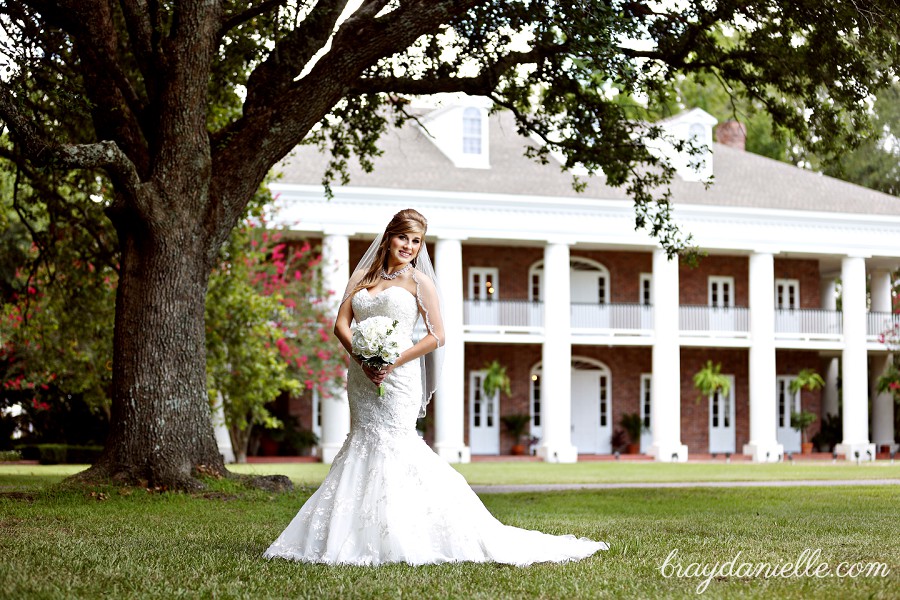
point(406, 221)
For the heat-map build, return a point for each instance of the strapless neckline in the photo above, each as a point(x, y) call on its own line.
point(386, 290)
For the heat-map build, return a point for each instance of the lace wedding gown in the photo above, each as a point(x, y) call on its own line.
point(389, 498)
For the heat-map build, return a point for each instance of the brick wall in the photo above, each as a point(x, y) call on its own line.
point(791, 362)
point(518, 360)
point(807, 273)
point(625, 270)
point(513, 265)
point(695, 411)
point(625, 364)
point(694, 282)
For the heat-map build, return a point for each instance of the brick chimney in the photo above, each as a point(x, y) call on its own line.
point(732, 133)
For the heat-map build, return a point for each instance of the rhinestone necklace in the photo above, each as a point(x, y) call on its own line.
point(395, 274)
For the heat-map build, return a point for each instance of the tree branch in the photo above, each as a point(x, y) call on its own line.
point(40, 151)
point(481, 84)
point(238, 19)
point(140, 31)
point(292, 53)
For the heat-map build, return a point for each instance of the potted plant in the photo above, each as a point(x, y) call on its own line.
point(801, 421)
point(710, 380)
point(617, 440)
point(516, 425)
point(806, 379)
point(633, 426)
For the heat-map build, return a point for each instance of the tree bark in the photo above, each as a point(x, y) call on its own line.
point(161, 428)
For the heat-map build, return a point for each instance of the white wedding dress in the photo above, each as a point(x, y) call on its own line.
point(389, 498)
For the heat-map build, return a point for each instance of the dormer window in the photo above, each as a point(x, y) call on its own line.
point(462, 132)
point(698, 133)
point(471, 131)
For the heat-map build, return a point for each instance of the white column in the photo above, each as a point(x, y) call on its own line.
point(335, 408)
point(763, 445)
point(665, 389)
point(556, 377)
point(882, 403)
point(855, 384)
point(828, 301)
point(449, 402)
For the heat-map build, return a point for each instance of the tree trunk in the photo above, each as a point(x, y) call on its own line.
point(161, 431)
point(240, 441)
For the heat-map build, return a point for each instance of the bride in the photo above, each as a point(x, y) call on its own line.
point(388, 497)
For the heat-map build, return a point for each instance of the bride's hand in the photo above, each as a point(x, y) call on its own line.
point(377, 376)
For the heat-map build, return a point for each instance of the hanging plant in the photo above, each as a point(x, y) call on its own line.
point(807, 379)
point(495, 380)
point(710, 380)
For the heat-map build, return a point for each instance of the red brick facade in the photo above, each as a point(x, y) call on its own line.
point(693, 286)
point(626, 363)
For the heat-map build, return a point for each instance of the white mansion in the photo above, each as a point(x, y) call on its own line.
point(589, 316)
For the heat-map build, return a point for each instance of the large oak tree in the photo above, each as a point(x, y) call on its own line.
point(183, 106)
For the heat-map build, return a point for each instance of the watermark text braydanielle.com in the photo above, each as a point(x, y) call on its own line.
point(808, 564)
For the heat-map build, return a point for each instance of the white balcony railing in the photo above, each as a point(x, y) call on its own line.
point(503, 315)
point(880, 324)
point(635, 319)
point(712, 321)
point(808, 324)
point(524, 316)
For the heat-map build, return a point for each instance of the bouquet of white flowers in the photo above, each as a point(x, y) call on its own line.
point(376, 342)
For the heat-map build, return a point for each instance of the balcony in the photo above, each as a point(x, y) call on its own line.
point(714, 322)
point(524, 316)
point(808, 325)
point(503, 316)
point(880, 324)
point(612, 319)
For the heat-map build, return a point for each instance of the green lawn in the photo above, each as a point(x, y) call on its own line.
point(70, 544)
point(507, 473)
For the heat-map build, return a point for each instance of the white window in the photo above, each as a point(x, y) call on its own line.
point(484, 283)
point(535, 288)
point(646, 289)
point(721, 292)
point(787, 294)
point(471, 131)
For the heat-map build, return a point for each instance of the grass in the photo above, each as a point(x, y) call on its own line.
point(59, 543)
point(509, 473)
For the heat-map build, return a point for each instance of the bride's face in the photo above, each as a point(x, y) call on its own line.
point(404, 248)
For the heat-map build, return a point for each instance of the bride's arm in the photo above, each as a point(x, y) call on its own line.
point(342, 327)
point(345, 336)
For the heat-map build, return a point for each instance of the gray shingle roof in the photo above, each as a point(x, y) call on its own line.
point(411, 161)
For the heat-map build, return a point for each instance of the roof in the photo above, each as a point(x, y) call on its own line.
point(410, 160)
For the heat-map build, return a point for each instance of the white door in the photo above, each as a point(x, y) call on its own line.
point(484, 291)
point(590, 299)
point(591, 412)
point(720, 294)
point(721, 420)
point(786, 403)
point(484, 429)
point(647, 433)
point(536, 424)
point(787, 301)
point(646, 300)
